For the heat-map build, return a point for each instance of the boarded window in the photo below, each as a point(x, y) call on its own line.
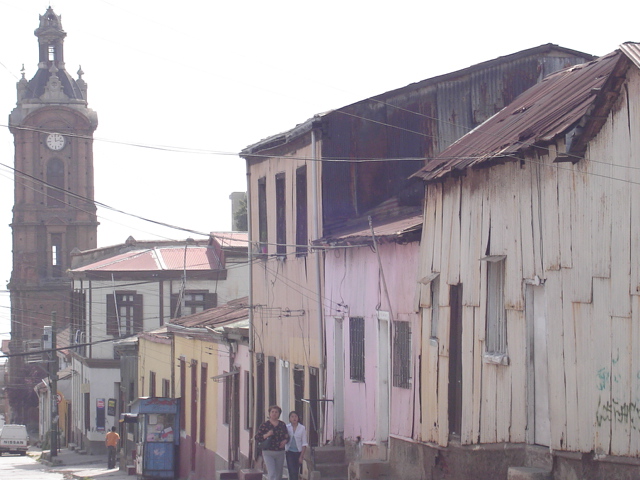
point(55, 182)
point(298, 388)
point(435, 306)
point(302, 236)
point(204, 368)
point(496, 333)
point(402, 354)
point(356, 348)
point(194, 301)
point(281, 215)
point(262, 217)
point(272, 381)
point(124, 314)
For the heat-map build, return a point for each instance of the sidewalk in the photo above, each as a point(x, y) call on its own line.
point(81, 466)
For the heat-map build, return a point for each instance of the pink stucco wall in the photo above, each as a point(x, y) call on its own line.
point(354, 288)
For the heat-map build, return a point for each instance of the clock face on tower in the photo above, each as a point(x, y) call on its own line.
point(55, 141)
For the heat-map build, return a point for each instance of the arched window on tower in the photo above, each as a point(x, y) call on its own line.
point(55, 181)
point(52, 53)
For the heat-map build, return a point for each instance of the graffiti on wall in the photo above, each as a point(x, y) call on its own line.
point(614, 410)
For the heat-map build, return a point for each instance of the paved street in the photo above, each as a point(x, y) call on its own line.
point(69, 465)
point(15, 467)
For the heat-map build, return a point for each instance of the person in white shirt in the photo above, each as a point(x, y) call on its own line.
point(296, 445)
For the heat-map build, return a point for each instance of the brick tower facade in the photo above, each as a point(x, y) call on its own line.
point(53, 210)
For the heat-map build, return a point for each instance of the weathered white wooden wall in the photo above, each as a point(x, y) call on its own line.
point(577, 227)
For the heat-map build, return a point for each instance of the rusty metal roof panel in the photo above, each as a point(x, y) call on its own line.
point(543, 112)
point(231, 312)
point(389, 231)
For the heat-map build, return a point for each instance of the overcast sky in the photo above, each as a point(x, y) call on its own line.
point(206, 78)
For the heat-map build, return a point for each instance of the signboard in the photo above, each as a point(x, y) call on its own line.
point(111, 407)
point(59, 398)
point(100, 414)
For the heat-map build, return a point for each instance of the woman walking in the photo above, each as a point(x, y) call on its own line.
point(275, 431)
point(296, 446)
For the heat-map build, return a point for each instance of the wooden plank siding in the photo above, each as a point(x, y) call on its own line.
point(575, 230)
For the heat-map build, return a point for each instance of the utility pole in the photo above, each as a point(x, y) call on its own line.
point(54, 388)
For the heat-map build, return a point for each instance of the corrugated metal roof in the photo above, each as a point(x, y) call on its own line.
point(390, 230)
point(632, 50)
point(158, 259)
point(226, 314)
point(232, 239)
point(536, 117)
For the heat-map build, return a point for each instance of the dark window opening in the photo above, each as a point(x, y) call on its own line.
point(204, 368)
point(124, 314)
point(298, 388)
point(260, 408)
point(302, 236)
point(247, 402)
point(226, 406)
point(78, 314)
point(166, 388)
point(272, 381)
point(281, 215)
point(152, 384)
point(194, 301)
point(55, 183)
point(356, 348)
point(314, 387)
point(262, 216)
point(56, 255)
point(194, 411)
point(183, 391)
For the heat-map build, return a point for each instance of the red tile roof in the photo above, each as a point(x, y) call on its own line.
point(159, 259)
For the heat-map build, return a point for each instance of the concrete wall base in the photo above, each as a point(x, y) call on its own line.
point(492, 461)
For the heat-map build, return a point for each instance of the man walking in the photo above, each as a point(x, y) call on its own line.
point(112, 444)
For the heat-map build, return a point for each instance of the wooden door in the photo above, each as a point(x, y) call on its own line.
point(538, 368)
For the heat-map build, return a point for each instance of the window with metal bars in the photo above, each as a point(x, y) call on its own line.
point(402, 354)
point(356, 348)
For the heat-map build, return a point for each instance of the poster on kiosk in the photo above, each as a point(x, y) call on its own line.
point(157, 436)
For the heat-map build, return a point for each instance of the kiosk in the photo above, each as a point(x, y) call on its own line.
point(157, 436)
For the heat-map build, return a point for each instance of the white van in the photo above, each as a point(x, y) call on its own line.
point(14, 439)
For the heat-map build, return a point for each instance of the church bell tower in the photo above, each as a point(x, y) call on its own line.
point(53, 210)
